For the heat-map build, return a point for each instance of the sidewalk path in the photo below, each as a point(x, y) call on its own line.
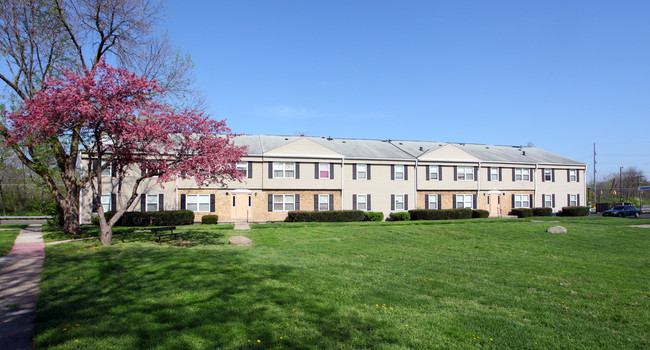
point(20, 273)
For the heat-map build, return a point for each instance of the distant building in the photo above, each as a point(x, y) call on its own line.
point(287, 173)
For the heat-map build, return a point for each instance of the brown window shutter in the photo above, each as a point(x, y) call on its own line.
point(182, 202)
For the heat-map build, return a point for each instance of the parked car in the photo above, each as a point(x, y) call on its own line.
point(623, 210)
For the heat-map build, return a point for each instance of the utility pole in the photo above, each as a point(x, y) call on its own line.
point(620, 174)
point(595, 201)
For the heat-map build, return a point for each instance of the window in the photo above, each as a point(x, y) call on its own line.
point(522, 174)
point(323, 202)
point(548, 175)
point(573, 175)
point(433, 201)
point(433, 172)
point(465, 173)
point(399, 172)
point(152, 202)
point(522, 201)
point(323, 170)
point(399, 200)
point(494, 174)
point(362, 203)
point(197, 202)
point(283, 202)
point(464, 201)
point(548, 201)
point(107, 171)
point(243, 168)
point(573, 200)
point(106, 202)
point(284, 169)
point(362, 171)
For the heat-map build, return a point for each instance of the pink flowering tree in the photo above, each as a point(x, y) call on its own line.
point(116, 116)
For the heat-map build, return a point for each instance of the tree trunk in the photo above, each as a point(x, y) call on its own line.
point(106, 232)
point(70, 206)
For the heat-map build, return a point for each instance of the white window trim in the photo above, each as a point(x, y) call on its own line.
point(326, 202)
point(573, 175)
point(433, 199)
point(464, 201)
point(399, 200)
point(433, 172)
point(520, 199)
point(364, 171)
point(399, 169)
point(550, 174)
point(547, 199)
point(157, 202)
point(573, 200)
point(284, 202)
point(106, 202)
point(465, 173)
point(243, 168)
point(522, 174)
point(364, 202)
point(282, 166)
point(108, 171)
point(495, 176)
point(198, 200)
point(326, 167)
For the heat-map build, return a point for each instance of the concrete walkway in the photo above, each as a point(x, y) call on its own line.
point(20, 273)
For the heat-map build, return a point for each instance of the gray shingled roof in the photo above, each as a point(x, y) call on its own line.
point(257, 145)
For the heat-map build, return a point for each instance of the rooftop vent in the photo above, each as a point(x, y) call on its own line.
point(329, 138)
point(523, 153)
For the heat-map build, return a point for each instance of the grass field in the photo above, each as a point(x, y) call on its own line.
point(8, 237)
point(481, 283)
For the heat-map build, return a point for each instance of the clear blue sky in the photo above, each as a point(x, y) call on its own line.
point(559, 74)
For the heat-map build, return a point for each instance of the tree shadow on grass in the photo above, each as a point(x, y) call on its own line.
point(157, 297)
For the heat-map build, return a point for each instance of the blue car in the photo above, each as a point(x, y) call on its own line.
point(622, 211)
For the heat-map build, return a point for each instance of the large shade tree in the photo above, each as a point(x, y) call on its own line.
point(41, 38)
point(117, 117)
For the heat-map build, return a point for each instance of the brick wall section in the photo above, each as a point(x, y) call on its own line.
point(306, 202)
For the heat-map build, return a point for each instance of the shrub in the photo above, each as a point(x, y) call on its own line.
point(542, 211)
point(154, 218)
point(374, 216)
point(480, 213)
point(325, 216)
point(522, 212)
point(440, 214)
point(400, 216)
point(56, 212)
point(209, 219)
point(95, 220)
point(574, 211)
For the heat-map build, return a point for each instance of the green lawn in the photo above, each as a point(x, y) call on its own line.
point(7, 238)
point(481, 283)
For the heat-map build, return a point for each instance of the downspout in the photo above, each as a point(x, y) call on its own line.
point(175, 195)
point(415, 185)
point(534, 204)
point(342, 180)
point(478, 184)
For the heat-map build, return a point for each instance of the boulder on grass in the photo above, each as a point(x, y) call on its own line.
point(557, 229)
point(241, 241)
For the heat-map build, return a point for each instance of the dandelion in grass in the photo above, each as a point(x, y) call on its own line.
point(76, 340)
point(293, 310)
point(65, 329)
point(259, 341)
point(77, 325)
point(491, 339)
point(281, 338)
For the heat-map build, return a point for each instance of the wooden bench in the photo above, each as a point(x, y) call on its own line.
point(171, 229)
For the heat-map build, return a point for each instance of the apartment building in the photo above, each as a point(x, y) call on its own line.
point(287, 173)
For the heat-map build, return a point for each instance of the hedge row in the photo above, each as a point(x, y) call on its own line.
point(326, 216)
point(374, 216)
point(441, 214)
point(399, 216)
point(210, 219)
point(153, 218)
point(528, 212)
point(574, 211)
